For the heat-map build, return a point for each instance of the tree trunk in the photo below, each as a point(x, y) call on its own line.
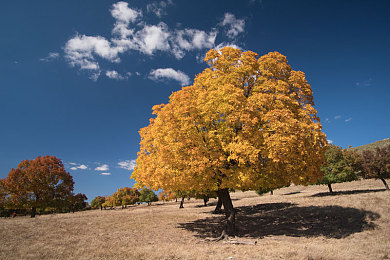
point(230, 225)
point(384, 182)
point(205, 200)
point(330, 188)
point(33, 212)
point(272, 192)
point(219, 206)
point(181, 203)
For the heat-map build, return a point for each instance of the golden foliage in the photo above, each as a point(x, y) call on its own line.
point(245, 123)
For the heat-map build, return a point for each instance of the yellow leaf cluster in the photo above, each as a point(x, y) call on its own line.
point(245, 123)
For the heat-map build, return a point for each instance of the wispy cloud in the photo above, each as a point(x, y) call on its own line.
point(102, 168)
point(105, 173)
point(50, 57)
point(159, 8)
point(348, 119)
point(234, 26)
point(113, 74)
point(364, 83)
point(337, 117)
point(128, 164)
point(77, 166)
point(329, 141)
point(169, 73)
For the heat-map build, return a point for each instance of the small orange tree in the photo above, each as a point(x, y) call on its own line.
point(246, 123)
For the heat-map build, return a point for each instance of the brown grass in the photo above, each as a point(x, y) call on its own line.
point(295, 223)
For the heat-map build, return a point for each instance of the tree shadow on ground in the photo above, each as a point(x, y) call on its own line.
point(292, 193)
point(347, 192)
point(288, 219)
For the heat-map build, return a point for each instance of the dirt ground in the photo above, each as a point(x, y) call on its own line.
point(295, 223)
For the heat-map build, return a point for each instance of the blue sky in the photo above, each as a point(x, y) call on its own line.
point(78, 79)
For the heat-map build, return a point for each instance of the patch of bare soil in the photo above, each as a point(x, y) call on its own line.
point(295, 223)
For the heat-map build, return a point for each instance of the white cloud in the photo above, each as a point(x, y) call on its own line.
point(80, 51)
point(192, 39)
point(170, 73)
point(50, 57)
point(158, 8)
point(226, 44)
point(105, 173)
point(348, 119)
point(235, 26)
point(337, 117)
point(113, 74)
point(123, 14)
point(128, 164)
point(330, 141)
point(102, 168)
point(82, 167)
point(130, 33)
point(77, 166)
point(152, 38)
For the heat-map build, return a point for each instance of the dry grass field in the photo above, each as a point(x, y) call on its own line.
point(295, 223)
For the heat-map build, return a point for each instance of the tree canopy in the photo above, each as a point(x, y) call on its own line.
point(376, 164)
point(339, 166)
point(147, 195)
point(245, 123)
point(42, 182)
point(97, 202)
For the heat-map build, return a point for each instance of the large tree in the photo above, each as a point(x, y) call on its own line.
point(245, 123)
point(339, 166)
point(376, 164)
point(39, 183)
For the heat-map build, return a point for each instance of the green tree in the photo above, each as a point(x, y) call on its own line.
point(147, 195)
point(377, 164)
point(39, 183)
point(97, 202)
point(339, 166)
point(245, 123)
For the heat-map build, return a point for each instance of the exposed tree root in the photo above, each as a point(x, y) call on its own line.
point(227, 240)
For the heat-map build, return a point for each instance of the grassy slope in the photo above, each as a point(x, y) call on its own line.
point(295, 223)
point(372, 146)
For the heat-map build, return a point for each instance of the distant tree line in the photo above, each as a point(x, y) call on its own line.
point(344, 165)
point(124, 197)
point(39, 186)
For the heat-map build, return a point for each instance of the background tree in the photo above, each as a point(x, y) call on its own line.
point(110, 202)
point(3, 194)
point(376, 164)
point(42, 182)
point(126, 196)
point(245, 123)
point(97, 202)
point(78, 202)
point(148, 196)
point(338, 167)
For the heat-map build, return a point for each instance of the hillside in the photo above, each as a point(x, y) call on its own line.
point(296, 222)
point(371, 146)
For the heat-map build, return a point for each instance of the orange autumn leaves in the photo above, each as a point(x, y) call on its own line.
point(245, 123)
